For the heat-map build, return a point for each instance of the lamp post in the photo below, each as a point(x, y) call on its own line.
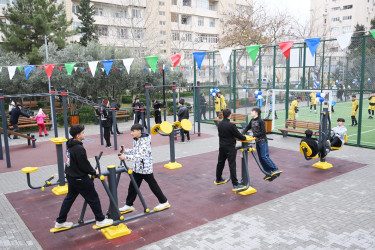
point(49, 80)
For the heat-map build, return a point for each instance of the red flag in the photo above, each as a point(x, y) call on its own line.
point(160, 69)
point(285, 48)
point(49, 69)
point(176, 58)
point(115, 69)
point(60, 68)
point(41, 66)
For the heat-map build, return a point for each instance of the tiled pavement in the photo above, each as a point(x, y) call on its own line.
point(334, 214)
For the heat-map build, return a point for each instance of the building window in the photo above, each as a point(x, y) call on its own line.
point(162, 22)
point(203, 4)
point(163, 51)
point(212, 22)
point(188, 37)
point(122, 33)
point(4, 1)
point(346, 28)
point(74, 8)
point(161, 3)
point(346, 7)
point(99, 12)
point(174, 2)
point(200, 21)
point(138, 33)
point(336, 19)
point(335, 9)
point(212, 38)
point(102, 30)
point(137, 13)
point(346, 17)
point(76, 26)
point(175, 36)
point(188, 55)
point(335, 30)
point(186, 20)
point(118, 14)
point(212, 6)
point(163, 42)
point(174, 17)
point(162, 13)
point(334, 49)
point(3, 20)
point(186, 3)
point(139, 53)
point(163, 32)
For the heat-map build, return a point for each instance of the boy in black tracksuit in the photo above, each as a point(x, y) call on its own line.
point(157, 109)
point(77, 169)
point(183, 113)
point(227, 149)
point(106, 123)
point(316, 147)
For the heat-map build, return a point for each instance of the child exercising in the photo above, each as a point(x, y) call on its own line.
point(293, 110)
point(371, 106)
point(259, 132)
point(355, 105)
point(141, 155)
point(339, 132)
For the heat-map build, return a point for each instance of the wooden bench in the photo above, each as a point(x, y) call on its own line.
point(30, 104)
point(253, 101)
point(24, 122)
point(238, 119)
point(30, 138)
point(299, 127)
point(120, 114)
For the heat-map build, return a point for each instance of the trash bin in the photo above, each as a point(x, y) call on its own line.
point(268, 123)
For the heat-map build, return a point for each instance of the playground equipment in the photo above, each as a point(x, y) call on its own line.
point(324, 137)
point(245, 176)
point(117, 229)
point(167, 129)
point(62, 188)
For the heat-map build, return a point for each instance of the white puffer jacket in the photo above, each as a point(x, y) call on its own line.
point(141, 155)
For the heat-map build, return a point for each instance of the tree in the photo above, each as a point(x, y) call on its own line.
point(28, 22)
point(86, 15)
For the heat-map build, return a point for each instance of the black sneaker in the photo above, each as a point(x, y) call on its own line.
point(267, 177)
point(238, 187)
point(221, 181)
point(40, 135)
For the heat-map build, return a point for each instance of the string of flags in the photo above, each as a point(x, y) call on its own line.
point(253, 50)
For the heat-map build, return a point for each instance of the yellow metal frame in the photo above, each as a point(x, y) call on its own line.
point(154, 129)
point(173, 165)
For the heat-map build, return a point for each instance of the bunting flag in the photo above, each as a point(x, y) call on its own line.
point(313, 44)
point(69, 67)
point(107, 65)
point(285, 48)
point(253, 51)
point(49, 69)
point(83, 69)
point(75, 69)
point(199, 56)
point(28, 69)
point(176, 58)
point(19, 68)
point(127, 63)
point(225, 54)
point(152, 61)
point(1, 69)
point(372, 33)
point(41, 67)
point(60, 68)
point(11, 71)
point(92, 67)
point(344, 40)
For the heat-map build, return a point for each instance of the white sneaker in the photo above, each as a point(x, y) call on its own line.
point(63, 225)
point(105, 222)
point(162, 206)
point(126, 208)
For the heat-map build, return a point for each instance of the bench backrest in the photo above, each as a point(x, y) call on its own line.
point(239, 117)
point(302, 124)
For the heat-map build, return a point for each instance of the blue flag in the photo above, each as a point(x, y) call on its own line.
point(199, 56)
point(107, 65)
point(313, 44)
point(28, 69)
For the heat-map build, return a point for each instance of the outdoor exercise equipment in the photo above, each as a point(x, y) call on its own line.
point(246, 146)
point(324, 138)
point(30, 138)
point(167, 129)
point(117, 229)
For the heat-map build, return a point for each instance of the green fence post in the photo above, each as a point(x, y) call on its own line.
point(329, 73)
point(274, 68)
point(363, 64)
point(304, 66)
point(234, 81)
point(322, 66)
point(287, 89)
point(260, 69)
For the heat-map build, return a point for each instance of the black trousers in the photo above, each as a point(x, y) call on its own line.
point(149, 178)
point(354, 120)
point(15, 129)
point(224, 154)
point(313, 105)
point(85, 187)
point(107, 136)
point(203, 112)
point(336, 142)
point(157, 117)
point(182, 133)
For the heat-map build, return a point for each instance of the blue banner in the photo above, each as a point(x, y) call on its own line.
point(28, 70)
point(199, 56)
point(107, 65)
point(313, 44)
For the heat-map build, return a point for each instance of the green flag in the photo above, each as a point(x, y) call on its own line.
point(152, 61)
point(253, 51)
point(372, 33)
point(69, 67)
point(19, 68)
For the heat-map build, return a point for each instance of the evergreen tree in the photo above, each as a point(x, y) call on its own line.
point(86, 15)
point(28, 22)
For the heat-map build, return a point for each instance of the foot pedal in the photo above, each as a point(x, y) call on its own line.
point(54, 230)
point(278, 172)
point(162, 208)
point(98, 227)
point(268, 177)
point(219, 183)
point(127, 211)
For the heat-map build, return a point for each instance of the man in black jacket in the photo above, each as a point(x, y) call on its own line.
point(227, 149)
point(14, 115)
point(77, 169)
point(106, 123)
point(136, 109)
point(183, 113)
point(157, 109)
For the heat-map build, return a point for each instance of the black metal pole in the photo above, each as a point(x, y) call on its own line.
point(63, 95)
point(171, 146)
point(198, 100)
point(147, 87)
point(114, 123)
point(164, 103)
point(113, 208)
point(4, 120)
point(60, 164)
point(53, 115)
point(174, 101)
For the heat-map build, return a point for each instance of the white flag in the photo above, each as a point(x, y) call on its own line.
point(344, 40)
point(12, 71)
point(92, 66)
point(127, 63)
point(75, 69)
point(225, 55)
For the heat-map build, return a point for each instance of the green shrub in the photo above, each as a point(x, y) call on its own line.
point(127, 99)
point(86, 114)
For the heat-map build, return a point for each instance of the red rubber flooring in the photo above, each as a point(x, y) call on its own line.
point(194, 198)
point(45, 152)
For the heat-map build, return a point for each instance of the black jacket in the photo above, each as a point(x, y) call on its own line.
point(15, 114)
point(202, 101)
point(77, 164)
point(157, 105)
point(105, 117)
point(259, 129)
point(313, 144)
point(183, 113)
point(227, 134)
